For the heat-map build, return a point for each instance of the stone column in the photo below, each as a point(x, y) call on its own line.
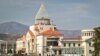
point(12, 49)
point(6, 47)
point(57, 52)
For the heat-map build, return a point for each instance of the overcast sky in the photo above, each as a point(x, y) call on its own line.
point(66, 14)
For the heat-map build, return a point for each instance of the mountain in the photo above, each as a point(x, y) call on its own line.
point(71, 33)
point(13, 28)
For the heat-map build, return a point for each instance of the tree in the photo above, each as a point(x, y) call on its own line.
point(96, 40)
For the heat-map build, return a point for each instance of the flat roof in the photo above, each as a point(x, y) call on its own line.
point(84, 30)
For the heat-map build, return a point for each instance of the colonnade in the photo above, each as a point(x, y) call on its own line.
point(88, 33)
point(7, 47)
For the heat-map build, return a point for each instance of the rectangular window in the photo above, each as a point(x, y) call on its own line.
point(90, 44)
point(64, 44)
point(69, 44)
point(74, 44)
point(90, 51)
point(52, 43)
point(78, 44)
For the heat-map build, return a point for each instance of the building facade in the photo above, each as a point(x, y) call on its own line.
point(43, 38)
point(79, 45)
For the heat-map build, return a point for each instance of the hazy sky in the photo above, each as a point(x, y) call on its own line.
point(66, 14)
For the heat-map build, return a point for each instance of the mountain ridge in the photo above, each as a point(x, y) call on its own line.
point(13, 28)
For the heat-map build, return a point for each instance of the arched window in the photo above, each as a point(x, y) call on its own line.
point(89, 43)
point(32, 40)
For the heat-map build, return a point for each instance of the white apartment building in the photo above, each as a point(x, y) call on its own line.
point(79, 45)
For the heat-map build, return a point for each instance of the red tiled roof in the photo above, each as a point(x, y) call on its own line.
point(51, 32)
point(22, 38)
point(31, 33)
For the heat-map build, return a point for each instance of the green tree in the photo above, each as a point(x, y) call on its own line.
point(96, 40)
